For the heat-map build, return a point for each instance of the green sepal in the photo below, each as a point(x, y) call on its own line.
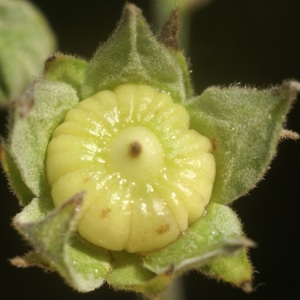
point(244, 125)
point(186, 72)
point(129, 274)
point(26, 40)
point(133, 55)
point(216, 234)
point(66, 68)
point(235, 269)
point(35, 115)
point(56, 247)
point(14, 177)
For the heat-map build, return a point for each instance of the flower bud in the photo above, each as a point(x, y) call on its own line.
point(146, 175)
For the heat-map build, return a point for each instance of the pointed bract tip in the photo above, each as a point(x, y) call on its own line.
point(170, 270)
point(168, 34)
point(51, 59)
point(76, 200)
point(131, 9)
point(293, 89)
point(19, 262)
point(246, 286)
point(286, 134)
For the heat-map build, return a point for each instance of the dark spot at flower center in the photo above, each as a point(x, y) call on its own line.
point(135, 149)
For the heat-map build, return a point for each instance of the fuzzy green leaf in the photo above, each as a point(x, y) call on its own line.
point(235, 269)
point(88, 265)
point(129, 274)
point(214, 235)
point(133, 55)
point(26, 40)
point(14, 177)
point(82, 265)
point(244, 126)
point(36, 114)
point(66, 68)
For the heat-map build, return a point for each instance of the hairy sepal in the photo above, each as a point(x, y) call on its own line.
point(244, 125)
point(133, 55)
point(35, 114)
point(57, 247)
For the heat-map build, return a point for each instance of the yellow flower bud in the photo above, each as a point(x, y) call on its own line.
point(147, 176)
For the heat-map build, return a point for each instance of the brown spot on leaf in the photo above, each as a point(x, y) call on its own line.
point(163, 229)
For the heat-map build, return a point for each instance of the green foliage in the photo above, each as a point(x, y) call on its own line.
point(34, 117)
point(26, 40)
point(244, 125)
point(133, 55)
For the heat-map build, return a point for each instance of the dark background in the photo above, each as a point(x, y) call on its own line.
point(252, 42)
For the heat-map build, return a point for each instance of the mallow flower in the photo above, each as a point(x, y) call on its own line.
point(126, 176)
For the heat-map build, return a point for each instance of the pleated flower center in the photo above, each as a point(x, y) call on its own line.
point(136, 153)
point(147, 176)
